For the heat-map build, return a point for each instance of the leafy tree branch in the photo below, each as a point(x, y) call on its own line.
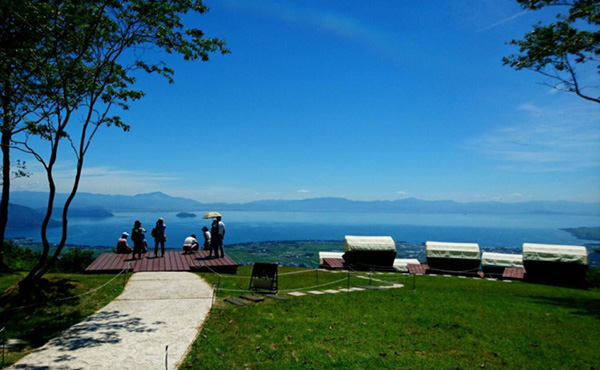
point(559, 50)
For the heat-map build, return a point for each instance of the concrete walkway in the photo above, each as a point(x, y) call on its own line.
point(155, 310)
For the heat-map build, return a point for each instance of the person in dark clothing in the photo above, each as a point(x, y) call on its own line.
point(158, 233)
point(137, 237)
point(220, 236)
point(214, 242)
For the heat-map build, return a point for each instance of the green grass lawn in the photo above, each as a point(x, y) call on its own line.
point(444, 323)
point(38, 319)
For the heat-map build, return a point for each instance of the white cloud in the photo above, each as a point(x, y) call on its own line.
point(545, 139)
point(303, 191)
point(102, 180)
point(514, 197)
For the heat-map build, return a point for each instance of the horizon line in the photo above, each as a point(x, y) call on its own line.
point(326, 197)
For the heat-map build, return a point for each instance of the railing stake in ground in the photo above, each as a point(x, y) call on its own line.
point(213, 296)
point(166, 357)
point(348, 281)
point(3, 330)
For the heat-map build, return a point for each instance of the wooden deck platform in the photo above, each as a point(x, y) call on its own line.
point(333, 263)
point(514, 273)
point(172, 261)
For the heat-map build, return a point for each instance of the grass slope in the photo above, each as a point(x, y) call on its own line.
point(444, 323)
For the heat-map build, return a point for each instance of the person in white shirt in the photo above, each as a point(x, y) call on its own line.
point(190, 244)
point(206, 239)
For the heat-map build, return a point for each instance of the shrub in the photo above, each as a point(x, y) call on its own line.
point(593, 277)
point(74, 260)
point(17, 258)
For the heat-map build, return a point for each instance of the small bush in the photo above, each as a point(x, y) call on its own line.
point(19, 259)
point(74, 260)
point(593, 277)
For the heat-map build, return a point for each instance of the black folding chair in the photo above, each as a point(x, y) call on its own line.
point(264, 278)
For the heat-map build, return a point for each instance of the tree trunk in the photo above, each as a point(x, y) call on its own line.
point(5, 143)
point(66, 206)
point(33, 276)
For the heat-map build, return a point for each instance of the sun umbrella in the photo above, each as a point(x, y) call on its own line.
point(212, 215)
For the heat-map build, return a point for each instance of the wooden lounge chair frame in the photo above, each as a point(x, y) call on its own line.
point(264, 278)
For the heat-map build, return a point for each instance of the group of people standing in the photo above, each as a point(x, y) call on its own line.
point(213, 240)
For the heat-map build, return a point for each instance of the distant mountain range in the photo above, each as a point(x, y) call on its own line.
point(89, 205)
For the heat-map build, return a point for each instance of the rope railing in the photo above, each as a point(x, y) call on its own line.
point(57, 302)
point(455, 271)
point(290, 290)
point(124, 270)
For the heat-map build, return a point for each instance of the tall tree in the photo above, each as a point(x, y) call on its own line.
point(19, 66)
point(558, 50)
point(92, 53)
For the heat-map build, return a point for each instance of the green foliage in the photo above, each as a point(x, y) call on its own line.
point(445, 323)
point(555, 50)
point(74, 260)
point(593, 277)
point(19, 259)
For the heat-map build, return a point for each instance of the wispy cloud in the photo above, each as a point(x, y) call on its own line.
point(303, 191)
point(504, 20)
point(514, 197)
point(336, 23)
point(102, 179)
point(545, 139)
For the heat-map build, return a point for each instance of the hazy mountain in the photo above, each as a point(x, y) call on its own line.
point(159, 202)
point(151, 202)
point(26, 218)
point(412, 205)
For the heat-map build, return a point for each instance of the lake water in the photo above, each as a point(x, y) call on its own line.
point(509, 231)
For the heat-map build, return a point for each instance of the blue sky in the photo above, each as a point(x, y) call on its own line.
point(361, 100)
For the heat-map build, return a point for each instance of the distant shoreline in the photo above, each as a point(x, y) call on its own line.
point(585, 233)
point(300, 253)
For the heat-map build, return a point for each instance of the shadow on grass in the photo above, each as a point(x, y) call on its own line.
point(33, 314)
point(578, 306)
